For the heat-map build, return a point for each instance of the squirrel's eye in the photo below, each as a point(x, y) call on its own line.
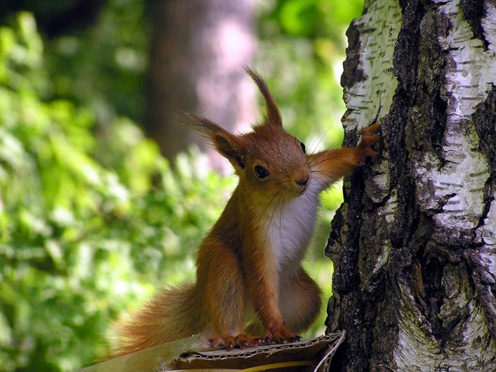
point(261, 172)
point(302, 145)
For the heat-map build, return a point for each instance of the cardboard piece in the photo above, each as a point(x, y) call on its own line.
point(188, 355)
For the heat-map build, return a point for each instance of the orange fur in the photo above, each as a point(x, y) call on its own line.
point(250, 262)
point(170, 315)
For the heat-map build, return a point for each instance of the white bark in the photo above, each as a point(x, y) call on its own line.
point(371, 98)
point(455, 181)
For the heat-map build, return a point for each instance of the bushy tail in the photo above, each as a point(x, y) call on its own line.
point(170, 315)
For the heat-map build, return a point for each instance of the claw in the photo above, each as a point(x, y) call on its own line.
point(296, 339)
point(280, 334)
point(230, 343)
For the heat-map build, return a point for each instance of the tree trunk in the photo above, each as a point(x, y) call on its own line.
point(414, 244)
point(197, 53)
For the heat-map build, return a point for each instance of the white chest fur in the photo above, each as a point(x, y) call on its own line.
point(291, 226)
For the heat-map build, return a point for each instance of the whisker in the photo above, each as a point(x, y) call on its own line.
point(314, 147)
point(275, 209)
point(269, 203)
point(275, 179)
point(280, 220)
point(327, 158)
point(315, 162)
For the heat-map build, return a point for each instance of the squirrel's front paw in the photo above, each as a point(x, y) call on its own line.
point(364, 149)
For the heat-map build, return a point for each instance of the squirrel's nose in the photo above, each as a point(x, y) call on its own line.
point(303, 180)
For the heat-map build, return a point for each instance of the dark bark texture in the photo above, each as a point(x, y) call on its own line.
point(414, 244)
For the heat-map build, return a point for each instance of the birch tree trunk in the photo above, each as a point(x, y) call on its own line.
point(414, 244)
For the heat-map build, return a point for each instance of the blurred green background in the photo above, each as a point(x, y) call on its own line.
point(92, 218)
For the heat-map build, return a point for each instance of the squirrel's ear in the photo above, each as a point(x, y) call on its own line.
point(229, 147)
point(227, 144)
point(272, 116)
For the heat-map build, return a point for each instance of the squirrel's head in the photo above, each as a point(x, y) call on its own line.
point(268, 160)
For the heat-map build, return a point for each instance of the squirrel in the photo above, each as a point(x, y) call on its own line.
point(249, 266)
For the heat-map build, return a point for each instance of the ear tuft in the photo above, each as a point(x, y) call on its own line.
point(227, 144)
point(273, 116)
point(202, 126)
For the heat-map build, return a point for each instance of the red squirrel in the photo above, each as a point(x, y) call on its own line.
point(251, 287)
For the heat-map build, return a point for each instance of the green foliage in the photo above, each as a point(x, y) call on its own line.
point(316, 18)
point(102, 68)
point(81, 241)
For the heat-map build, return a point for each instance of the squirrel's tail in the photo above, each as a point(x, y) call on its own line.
point(170, 315)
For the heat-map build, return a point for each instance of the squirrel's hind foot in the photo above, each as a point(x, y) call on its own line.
point(241, 341)
point(280, 335)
